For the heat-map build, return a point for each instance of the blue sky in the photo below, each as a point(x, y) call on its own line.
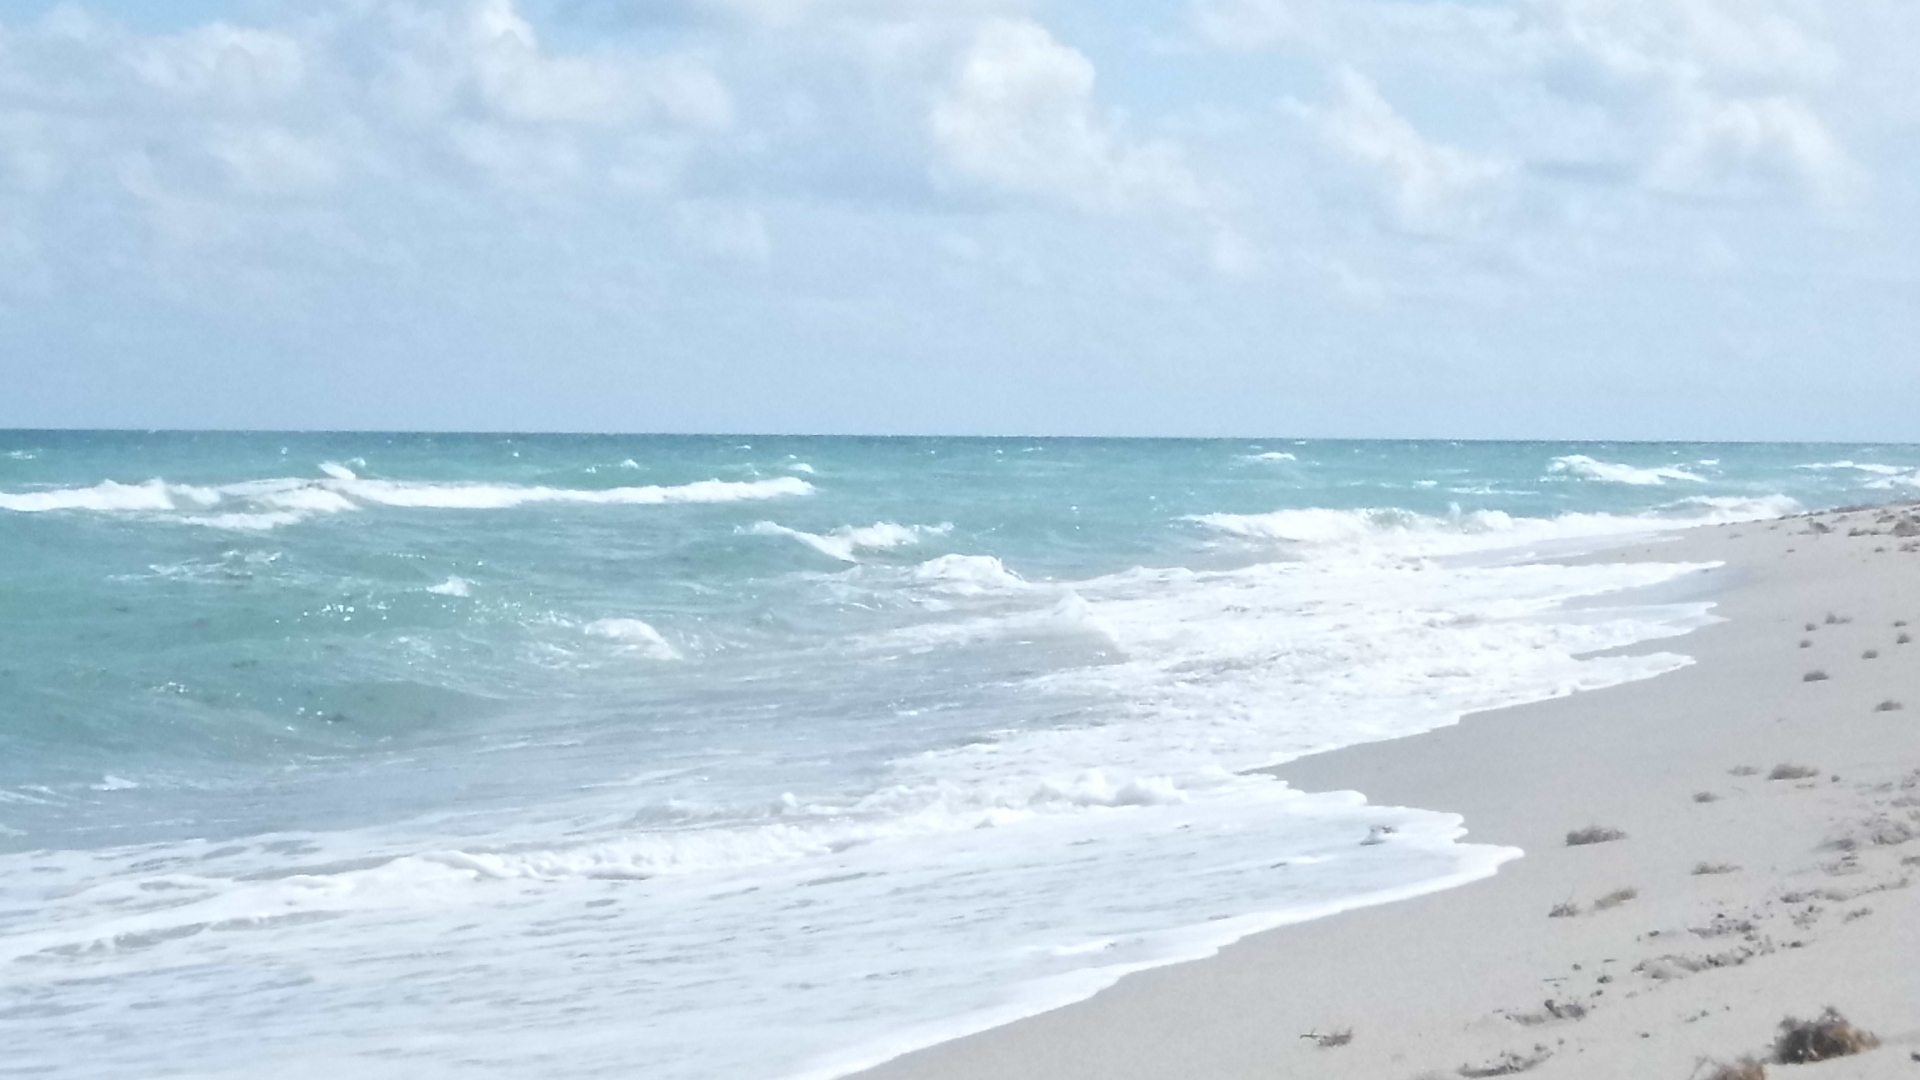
point(1498, 218)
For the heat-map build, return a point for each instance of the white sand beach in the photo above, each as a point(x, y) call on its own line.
point(1769, 816)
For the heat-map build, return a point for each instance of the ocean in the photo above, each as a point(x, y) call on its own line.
point(752, 758)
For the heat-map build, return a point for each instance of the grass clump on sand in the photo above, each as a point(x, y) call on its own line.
point(1744, 1069)
point(1802, 1042)
point(1615, 898)
point(1701, 868)
point(1888, 705)
point(1815, 675)
point(1565, 910)
point(1788, 771)
point(1594, 834)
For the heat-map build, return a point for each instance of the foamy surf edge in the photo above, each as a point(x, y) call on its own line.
point(1477, 862)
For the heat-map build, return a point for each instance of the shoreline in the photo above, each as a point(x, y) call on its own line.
point(1799, 902)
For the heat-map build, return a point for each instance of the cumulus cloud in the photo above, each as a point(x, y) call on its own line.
point(1431, 187)
point(1020, 114)
point(1700, 98)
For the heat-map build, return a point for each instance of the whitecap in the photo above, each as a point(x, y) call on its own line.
point(635, 635)
point(842, 543)
point(1586, 468)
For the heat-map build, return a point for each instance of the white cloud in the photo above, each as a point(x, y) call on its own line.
point(1702, 98)
point(1020, 115)
point(1430, 186)
point(224, 67)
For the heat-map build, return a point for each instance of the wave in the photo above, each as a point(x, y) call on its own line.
point(1271, 455)
point(843, 542)
point(1885, 477)
point(636, 636)
point(1586, 468)
point(968, 575)
point(1399, 531)
point(265, 504)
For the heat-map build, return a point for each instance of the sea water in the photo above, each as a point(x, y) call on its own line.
point(750, 758)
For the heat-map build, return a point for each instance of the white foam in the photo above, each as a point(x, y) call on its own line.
point(635, 635)
point(968, 575)
point(104, 496)
point(1403, 532)
point(843, 543)
point(453, 586)
point(264, 504)
point(1272, 455)
point(1862, 466)
point(1587, 468)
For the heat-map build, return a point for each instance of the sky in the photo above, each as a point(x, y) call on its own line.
point(1684, 219)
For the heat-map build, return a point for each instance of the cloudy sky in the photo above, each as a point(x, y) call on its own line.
point(1467, 218)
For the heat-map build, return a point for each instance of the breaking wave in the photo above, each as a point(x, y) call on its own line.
point(265, 504)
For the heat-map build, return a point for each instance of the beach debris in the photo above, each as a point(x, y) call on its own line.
point(1789, 771)
point(1594, 834)
point(1615, 898)
point(1705, 797)
point(1703, 867)
point(1888, 705)
point(1803, 1042)
point(1816, 675)
point(1550, 1010)
point(1507, 1064)
point(1744, 1069)
point(1566, 909)
point(1326, 1040)
point(1378, 835)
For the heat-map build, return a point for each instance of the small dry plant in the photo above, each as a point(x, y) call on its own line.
point(1327, 1040)
point(1714, 868)
point(1615, 898)
point(1789, 771)
point(1802, 1042)
point(1744, 1069)
point(1594, 834)
point(1565, 910)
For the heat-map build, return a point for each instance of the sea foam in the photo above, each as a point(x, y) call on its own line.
point(1587, 468)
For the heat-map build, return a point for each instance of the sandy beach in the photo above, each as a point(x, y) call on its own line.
point(1767, 801)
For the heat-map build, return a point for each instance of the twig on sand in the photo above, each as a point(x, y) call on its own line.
point(1328, 1039)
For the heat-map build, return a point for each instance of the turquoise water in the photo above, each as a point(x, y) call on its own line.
point(746, 756)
